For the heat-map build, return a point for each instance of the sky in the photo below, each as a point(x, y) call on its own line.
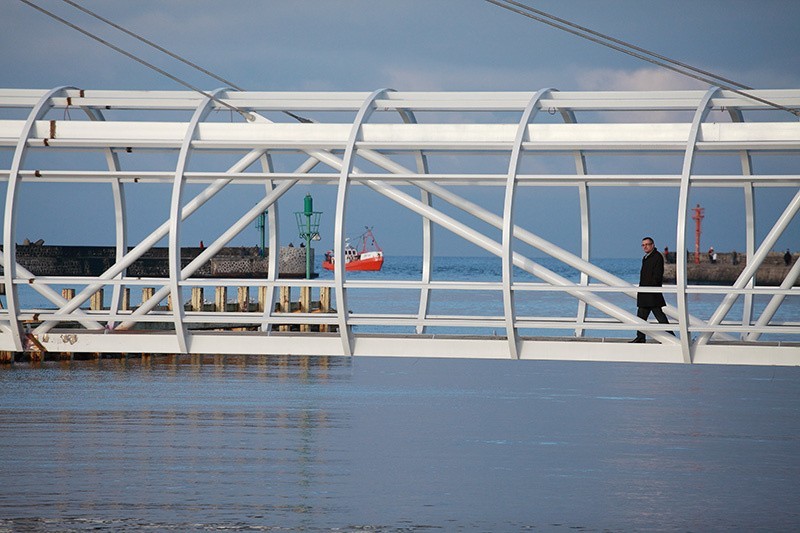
point(438, 45)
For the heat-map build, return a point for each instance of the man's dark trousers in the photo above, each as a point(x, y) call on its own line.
point(644, 313)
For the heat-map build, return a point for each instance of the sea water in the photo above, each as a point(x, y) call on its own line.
point(369, 444)
point(255, 443)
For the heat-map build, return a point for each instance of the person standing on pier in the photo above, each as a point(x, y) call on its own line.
point(651, 275)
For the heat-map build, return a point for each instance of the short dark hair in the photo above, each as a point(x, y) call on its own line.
point(648, 239)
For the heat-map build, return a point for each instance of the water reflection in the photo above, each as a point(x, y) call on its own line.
point(313, 444)
point(182, 438)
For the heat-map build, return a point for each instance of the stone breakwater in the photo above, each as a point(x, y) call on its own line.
point(232, 262)
point(725, 272)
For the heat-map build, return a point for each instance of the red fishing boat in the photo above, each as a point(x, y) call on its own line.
point(369, 258)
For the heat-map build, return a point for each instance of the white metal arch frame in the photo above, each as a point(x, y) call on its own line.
point(508, 218)
point(120, 210)
point(202, 111)
point(272, 269)
point(427, 231)
point(750, 221)
point(583, 201)
point(337, 146)
point(683, 211)
point(41, 108)
point(341, 205)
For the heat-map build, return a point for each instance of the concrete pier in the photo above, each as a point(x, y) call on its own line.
point(231, 262)
point(725, 271)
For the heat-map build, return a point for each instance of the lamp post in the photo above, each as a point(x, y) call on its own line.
point(261, 225)
point(698, 221)
point(308, 227)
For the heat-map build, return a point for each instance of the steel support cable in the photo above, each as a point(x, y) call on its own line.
point(621, 43)
point(246, 114)
point(150, 43)
point(711, 77)
point(168, 52)
point(670, 64)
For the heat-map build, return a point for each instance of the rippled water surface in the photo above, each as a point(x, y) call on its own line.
point(334, 444)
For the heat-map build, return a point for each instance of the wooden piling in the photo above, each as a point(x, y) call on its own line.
point(305, 305)
point(263, 294)
point(324, 304)
point(96, 302)
point(197, 298)
point(126, 299)
point(243, 299)
point(147, 293)
point(285, 304)
point(221, 299)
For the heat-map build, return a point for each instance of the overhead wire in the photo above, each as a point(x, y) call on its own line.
point(510, 5)
point(150, 43)
point(635, 51)
point(623, 44)
point(247, 115)
point(168, 52)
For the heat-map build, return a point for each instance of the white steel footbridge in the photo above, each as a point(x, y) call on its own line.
point(418, 151)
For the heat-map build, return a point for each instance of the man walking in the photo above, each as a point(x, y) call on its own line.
point(651, 275)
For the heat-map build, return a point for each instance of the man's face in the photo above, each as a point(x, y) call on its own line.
point(647, 246)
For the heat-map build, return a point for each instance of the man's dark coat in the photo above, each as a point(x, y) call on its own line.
point(652, 275)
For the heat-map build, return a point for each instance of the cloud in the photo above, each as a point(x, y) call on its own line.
point(436, 76)
point(644, 79)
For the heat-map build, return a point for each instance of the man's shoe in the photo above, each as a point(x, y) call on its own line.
point(638, 340)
